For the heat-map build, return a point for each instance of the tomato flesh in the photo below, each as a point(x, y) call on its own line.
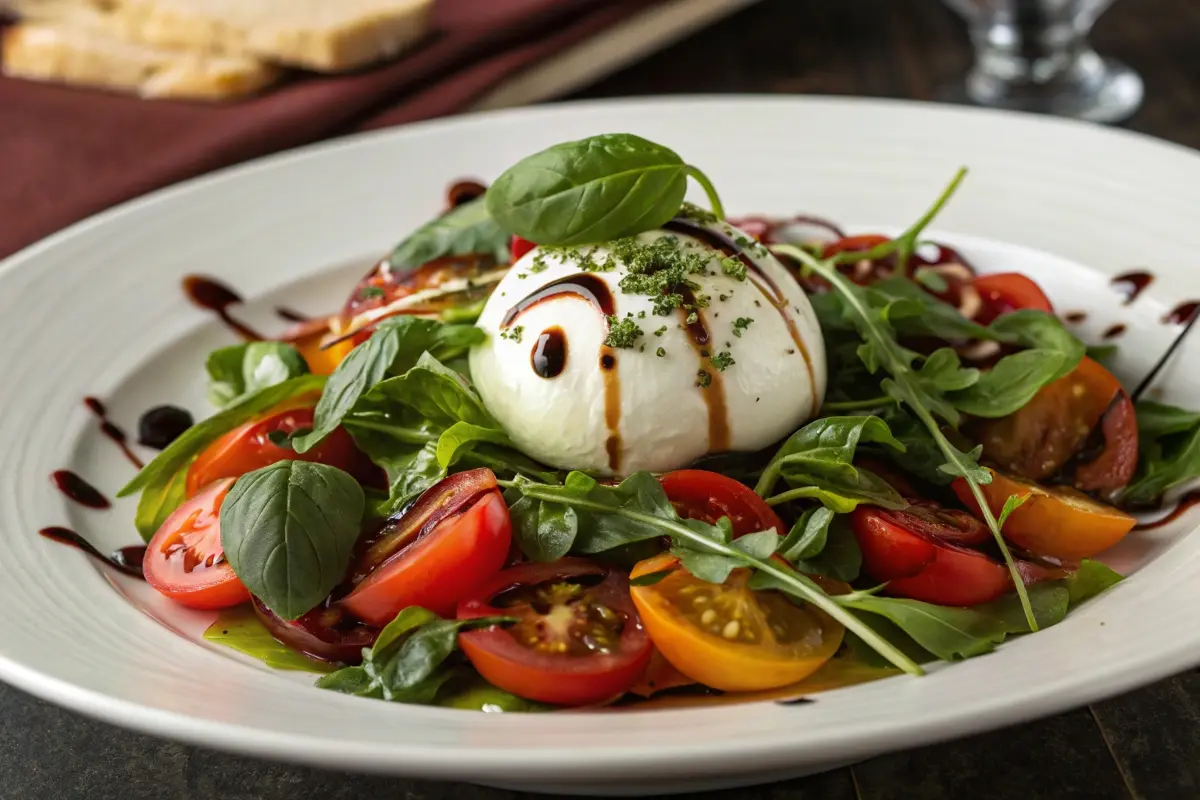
point(1060, 423)
point(578, 639)
point(1003, 292)
point(708, 496)
point(438, 562)
point(249, 447)
point(185, 560)
point(728, 636)
point(519, 247)
point(324, 633)
point(1055, 522)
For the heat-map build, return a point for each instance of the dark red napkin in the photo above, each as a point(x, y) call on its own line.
point(66, 153)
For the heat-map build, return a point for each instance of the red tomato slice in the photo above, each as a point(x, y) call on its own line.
point(914, 552)
point(248, 447)
point(185, 560)
point(708, 496)
point(1002, 292)
point(454, 538)
point(324, 633)
point(578, 639)
point(520, 247)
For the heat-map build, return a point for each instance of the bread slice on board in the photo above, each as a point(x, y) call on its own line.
point(321, 35)
point(79, 54)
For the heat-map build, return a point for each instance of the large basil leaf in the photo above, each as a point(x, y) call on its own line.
point(288, 531)
point(240, 629)
point(408, 662)
point(244, 369)
point(463, 230)
point(162, 481)
point(435, 392)
point(817, 462)
point(591, 190)
point(395, 347)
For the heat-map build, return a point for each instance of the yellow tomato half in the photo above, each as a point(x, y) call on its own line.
point(728, 636)
point(1059, 521)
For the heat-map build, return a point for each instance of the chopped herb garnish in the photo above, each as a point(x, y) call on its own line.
point(370, 292)
point(661, 331)
point(722, 361)
point(703, 379)
point(697, 214)
point(693, 318)
point(539, 262)
point(513, 334)
point(740, 324)
point(660, 352)
point(522, 275)
point(622, 333)
point(734, 267)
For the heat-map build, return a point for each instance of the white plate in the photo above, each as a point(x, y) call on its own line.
point(98, 310)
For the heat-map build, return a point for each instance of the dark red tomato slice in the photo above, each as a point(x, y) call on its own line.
point(1003, 292)
point(249, 447)
point(384, 285)
point(454, 538)
point(578, 639)
point(185, 560)
point(914, 551)
point(520, 247)
point(1082, 425)
point(324, 633)
point(708, 496)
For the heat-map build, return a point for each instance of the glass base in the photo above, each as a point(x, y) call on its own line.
point(1093, 88)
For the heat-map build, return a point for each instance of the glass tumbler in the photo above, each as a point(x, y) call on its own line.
point(1033, 55)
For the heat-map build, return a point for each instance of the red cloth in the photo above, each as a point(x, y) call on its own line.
point(66, 153)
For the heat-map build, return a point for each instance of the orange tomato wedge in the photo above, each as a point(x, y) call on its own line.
point(1060, 522)
point(728, 636)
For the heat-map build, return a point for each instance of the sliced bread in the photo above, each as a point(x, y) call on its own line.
point(321, 35)
point(79, 54)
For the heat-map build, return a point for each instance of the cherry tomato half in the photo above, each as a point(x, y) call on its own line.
point(520, 247)
point(454, 538)
point(708, 496)
point(249, 447)
point(1085, 415)
point(728, 636)
point(185, 560)
point(578, 639)
point(307, 337)
point(1002, 292)
point(1058, 522)
point(325, 633)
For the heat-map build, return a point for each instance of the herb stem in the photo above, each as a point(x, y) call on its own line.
point(797, 583)
point(903, 383)
point(709, 189)
point(859, 405)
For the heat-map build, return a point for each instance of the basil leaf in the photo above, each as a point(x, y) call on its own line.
point(808, 535)
point(840, 559)
point(1089, 580)
point(162, 480)
point(243, 369)
point(710, 567)
point(463, 437)
point(462, 230)
point(240, 629)
point(817, 462)
point(435, 392)
point(288, 531)
point(592, 190)
point(943, 372)
point(396, 346)
point(543, 531)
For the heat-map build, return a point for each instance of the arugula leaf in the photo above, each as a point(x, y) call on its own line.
point(397, 345)
point(817, 462)
point(1169, 445)
point(593, 190)
point(406, 663)
point(808, 535)
point(288, 531)
point(840, 558)
point(244, 369)
point(462, 230)
point(1156, 420)
point(1090, 579)
point(922, 456)
point(912, 311)
point(162, 481)
point(240, 629)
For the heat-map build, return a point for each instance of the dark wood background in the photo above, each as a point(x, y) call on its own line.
point(1145, 744)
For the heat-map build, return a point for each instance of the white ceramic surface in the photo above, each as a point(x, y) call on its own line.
point(98, 310)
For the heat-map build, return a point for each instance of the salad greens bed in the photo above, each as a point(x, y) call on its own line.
point(289, 530)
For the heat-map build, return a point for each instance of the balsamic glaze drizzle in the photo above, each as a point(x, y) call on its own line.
point(117, 435)
point(127, 560)
point(79, 490)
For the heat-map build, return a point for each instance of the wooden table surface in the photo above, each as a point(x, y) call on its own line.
point(1145, 744)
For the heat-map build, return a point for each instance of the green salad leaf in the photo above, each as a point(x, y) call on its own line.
point(163, 480)
point(593, 190)
point(1169, 444)
point(241, 370)
point(462, 230)
point(288, 531)
point(468, 691)
point(239, 628)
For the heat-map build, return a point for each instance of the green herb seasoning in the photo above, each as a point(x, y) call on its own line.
point(513, 334)
point(622, 333)
point(661, 331)
point(703, 379)
point(661, 352)
point(697, 214)
point(722, 361)
point(734, 267)
point(370, 292)
point(661, 269)
point(740, 324)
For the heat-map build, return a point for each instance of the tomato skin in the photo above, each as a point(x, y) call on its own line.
point(440, 568)
point(1051, 430)
point(248, 447)
point(321, 633)
point(1057, 522)
point(708, 496)
point(920, 567)
point(729, 664)
point(519, 247)
point(1003, 292)
point(185, 560)
point(551, 677)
